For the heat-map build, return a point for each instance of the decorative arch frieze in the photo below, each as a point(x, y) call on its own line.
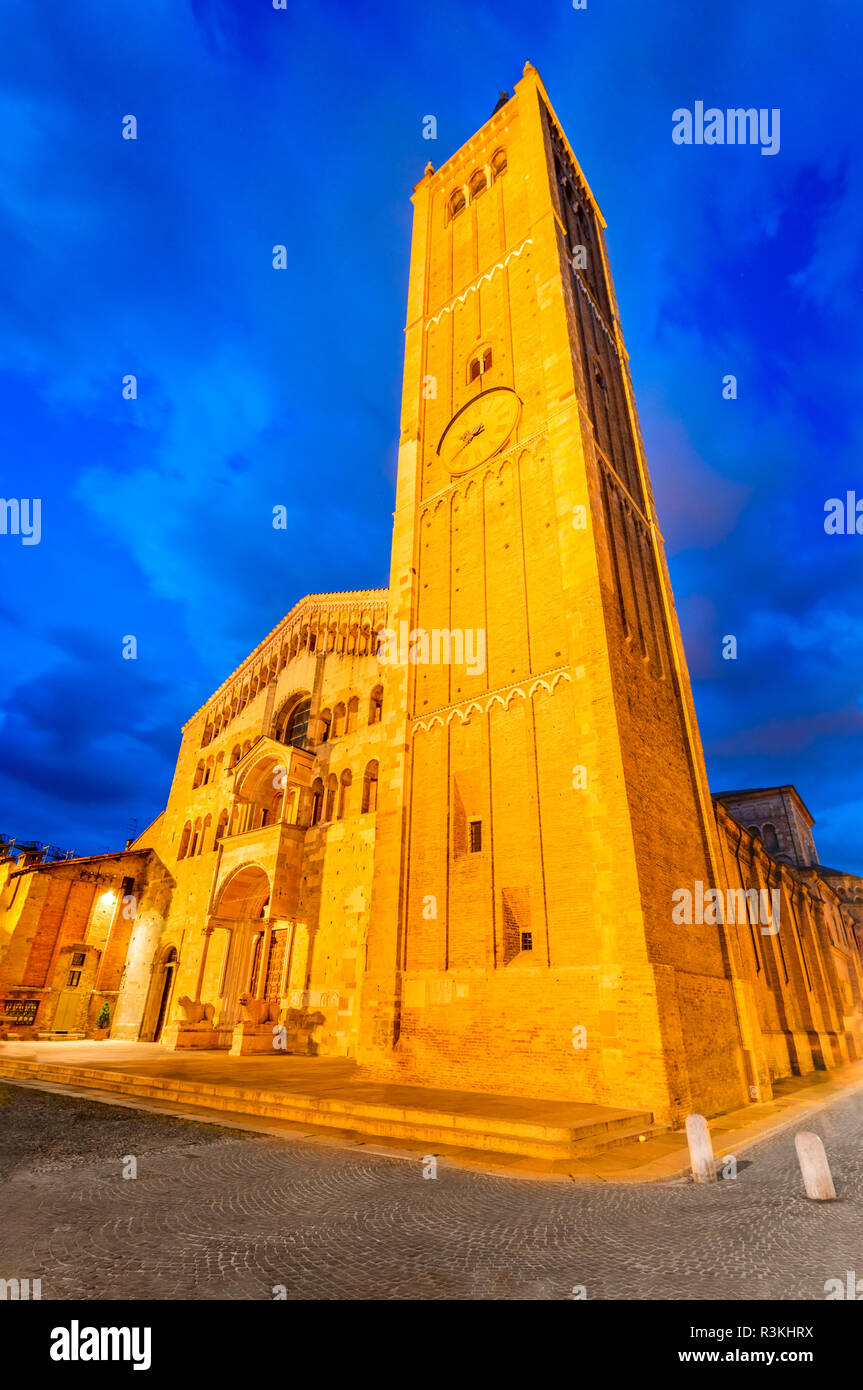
point(525, 690)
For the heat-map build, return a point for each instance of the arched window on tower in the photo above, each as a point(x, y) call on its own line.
point(456, 204)
point(771, 839)
point(370, 787)
point(199, 774)
point(317, 801)
point(184, 840)
point(376, 704)
point(498, 164)
point(339, 716)
point(478, 183)
point(353, 714)
point(479, 364)
point(598, 373)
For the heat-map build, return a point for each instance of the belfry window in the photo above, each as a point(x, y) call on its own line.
point(456, 204)
point(478, 184)
point(498, 164)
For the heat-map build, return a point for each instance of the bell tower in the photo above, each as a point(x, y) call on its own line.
point(545, 792)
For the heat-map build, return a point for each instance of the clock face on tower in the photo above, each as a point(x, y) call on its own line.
point(480, 429)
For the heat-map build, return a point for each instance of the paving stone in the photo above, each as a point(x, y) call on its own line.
point(225, 1214)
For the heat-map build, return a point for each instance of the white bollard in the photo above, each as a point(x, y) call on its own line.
point(812, 1158)
point(700, 1149)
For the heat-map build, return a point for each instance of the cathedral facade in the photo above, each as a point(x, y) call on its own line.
point(449, 828)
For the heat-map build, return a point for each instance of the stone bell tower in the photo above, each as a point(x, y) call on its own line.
point(545, 792)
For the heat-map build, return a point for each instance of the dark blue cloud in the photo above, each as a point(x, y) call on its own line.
point(304, 127)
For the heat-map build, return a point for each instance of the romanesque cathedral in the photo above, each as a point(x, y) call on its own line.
point(446, 828)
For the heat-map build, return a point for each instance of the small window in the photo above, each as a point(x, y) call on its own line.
point(475, 836)
point(456, 204)
point(78, 958)
point(498, 164)
point(527, 941)
point(599, 375)
point(478, 183)
point(74, 979)
point(376, 704)
point(480, 363)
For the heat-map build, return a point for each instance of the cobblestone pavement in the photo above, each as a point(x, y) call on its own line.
point(224, 1214)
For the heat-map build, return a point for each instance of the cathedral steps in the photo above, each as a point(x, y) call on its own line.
point(598, 1129)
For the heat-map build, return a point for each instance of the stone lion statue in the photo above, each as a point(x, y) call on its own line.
point(194, 1011)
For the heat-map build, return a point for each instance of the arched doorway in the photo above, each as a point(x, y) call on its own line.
point(169, 965)
point(157, 1011)
point(241, 909)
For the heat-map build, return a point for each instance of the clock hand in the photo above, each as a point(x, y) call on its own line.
point(470, 435)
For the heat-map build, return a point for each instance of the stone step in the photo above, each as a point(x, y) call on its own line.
point(497, 1133)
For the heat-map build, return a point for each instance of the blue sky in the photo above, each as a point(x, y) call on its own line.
point(304, 127)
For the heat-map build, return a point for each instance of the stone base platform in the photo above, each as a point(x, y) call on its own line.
point(329, 1093)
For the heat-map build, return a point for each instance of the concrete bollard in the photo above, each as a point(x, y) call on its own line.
point(700, 1149)
point(812, 1158)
